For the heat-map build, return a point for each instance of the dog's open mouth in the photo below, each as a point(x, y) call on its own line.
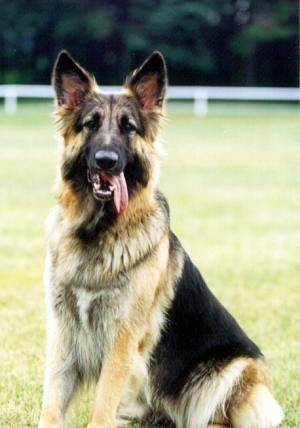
point(107, 186)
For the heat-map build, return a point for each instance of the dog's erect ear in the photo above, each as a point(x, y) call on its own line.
point(71, 82)
point(149, 81)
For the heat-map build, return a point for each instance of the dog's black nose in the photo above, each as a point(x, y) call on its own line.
point(106, 160)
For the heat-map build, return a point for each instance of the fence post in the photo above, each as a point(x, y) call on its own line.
point(10, 100)
point(200, 103)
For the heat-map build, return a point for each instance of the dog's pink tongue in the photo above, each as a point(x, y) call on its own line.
point(120, 190)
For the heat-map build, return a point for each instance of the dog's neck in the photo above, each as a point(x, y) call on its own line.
point(98, 217)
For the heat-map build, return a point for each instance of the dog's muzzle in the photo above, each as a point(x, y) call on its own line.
point(107, 186)
point(107, 178)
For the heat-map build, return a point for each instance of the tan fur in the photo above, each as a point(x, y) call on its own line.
point(107, 298)
point(252, 404)
point(116, 369)
point(256, 372)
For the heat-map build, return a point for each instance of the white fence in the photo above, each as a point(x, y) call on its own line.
point(200, 95)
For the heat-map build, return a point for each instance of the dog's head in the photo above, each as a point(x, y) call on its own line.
point(109, 138)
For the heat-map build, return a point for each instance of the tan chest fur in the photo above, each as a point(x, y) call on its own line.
point(92, 288)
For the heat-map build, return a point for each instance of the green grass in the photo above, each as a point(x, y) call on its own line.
point(232, 180)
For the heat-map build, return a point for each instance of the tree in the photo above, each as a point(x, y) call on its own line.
point(262, 27)
point(216, 42)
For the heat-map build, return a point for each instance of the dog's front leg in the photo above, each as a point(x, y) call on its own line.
point(59, 383)
point(113, 379)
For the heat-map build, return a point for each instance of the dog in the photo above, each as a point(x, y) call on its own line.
point(126, 307)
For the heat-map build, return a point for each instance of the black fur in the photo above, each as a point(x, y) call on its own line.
point(199, 333)
point(130, 294)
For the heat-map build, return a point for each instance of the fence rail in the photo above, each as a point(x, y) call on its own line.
point(200, 95)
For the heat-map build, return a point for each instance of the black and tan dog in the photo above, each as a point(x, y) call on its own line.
point(126, 306)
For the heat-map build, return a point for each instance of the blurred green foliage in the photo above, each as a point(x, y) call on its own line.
point(216, 42)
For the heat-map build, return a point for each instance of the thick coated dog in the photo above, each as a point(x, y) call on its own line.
point(126, 306)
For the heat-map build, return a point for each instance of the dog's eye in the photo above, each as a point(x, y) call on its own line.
point(126, 125)
point(93, 123)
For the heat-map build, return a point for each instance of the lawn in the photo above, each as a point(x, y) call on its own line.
point(233, 182)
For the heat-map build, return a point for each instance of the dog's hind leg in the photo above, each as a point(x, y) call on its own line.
point(252, 404)
point(237, 396)
point(259, 410)
point(202, 401)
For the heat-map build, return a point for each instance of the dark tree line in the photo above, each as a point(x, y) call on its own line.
point(207, 42)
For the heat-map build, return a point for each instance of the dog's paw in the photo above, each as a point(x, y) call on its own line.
point(104, 424)
point(46, 424)
point(101, 426)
